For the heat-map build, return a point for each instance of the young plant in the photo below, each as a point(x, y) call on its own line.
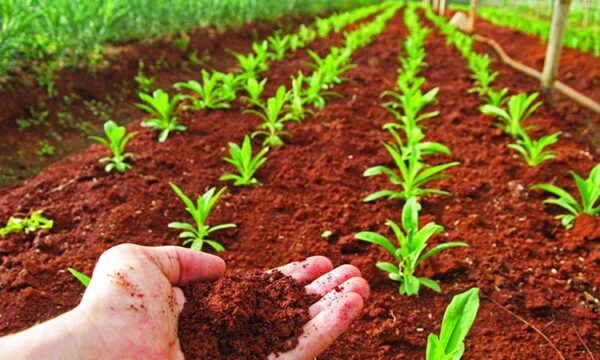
point(409, 255)
point(83, 278)
point(204, 204)
point(332, 66)
point(116, 141)
point(279, 45)
point(314, 94)
point(496, 98)
point(410, 100)
point(254, 89)
point(255, 63)
point(274, 119)
point(457, 322)
point(34, 223)
point(534, 151)
point(520, 108)
point(211, 94)
point(245, 163)
point(144, 83)
point(163, 109)
point(414, 142)
point(413, 173)
point(297, 99)
point(589, 190)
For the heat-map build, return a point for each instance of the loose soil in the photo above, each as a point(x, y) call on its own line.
point(525, 263)
point(243, 316)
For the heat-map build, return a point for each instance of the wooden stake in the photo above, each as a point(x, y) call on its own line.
point(472, 13)
point(442, 10)
point(436, 5)
point(586, 14)
point(560, 13)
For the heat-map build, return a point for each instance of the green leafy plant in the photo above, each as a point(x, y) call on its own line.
point(254, 89)
point(314, 94)
point(36, 118)
point(409, 255)
point(144, 82)
point(413, 173)
point(496, 98)
point(297, 98)
point(589, 190)
point(520, 107)
point(274, 118)
point(278, 44)
point(409, 101)
point(204, 204)
point(45, 149)
point(163, 109)
point(33, 223)
point(414, 142)
point(534, 151)
point(253, 64)
point(211, 94)
point(116, 141)
point(245, 163)
point(332, 66)
point(83, 278)
point(457, 322)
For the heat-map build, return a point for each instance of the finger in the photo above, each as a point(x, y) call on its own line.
point(321, 331)
point(182, 266)
point(353, 285)
point(307, 270)
point(329, 281)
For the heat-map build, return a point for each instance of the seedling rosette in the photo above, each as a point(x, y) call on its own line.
point(116, 141)
point(412, 241)
point(163, 109)
point(197, 235)
point(245, 163)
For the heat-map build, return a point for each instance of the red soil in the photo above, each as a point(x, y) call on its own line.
point(243, 316)
point(521, 258)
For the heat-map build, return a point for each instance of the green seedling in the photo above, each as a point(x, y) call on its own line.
point(278, 45)
point(197, 235)
point(458, 319)
point(314, 94)
point(45, 149)
point(144, 82)
point(254, 89)
point(534, 151)
point(306, 34)
point(253, 64)
point(245, 163)
point(33, 223)
point(414, 142)
point(324, 26)
point(36, 118)
point(163, 109)
point(83, 278)
point(116, 141)
point(589, 190)
point(409, 102)
point(413, 174)
point(297, 99)
point(274, 118)
point(409, 255)
point(520, 108)
point(496, 98)
point(332, 66)
point(211, 94)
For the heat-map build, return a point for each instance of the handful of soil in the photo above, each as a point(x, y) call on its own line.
point(243, 316)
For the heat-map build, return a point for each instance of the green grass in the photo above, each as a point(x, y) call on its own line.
point(50, 34)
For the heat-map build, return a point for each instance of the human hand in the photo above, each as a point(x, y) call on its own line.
point(123, 314)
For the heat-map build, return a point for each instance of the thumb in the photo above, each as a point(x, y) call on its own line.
point(179, 299)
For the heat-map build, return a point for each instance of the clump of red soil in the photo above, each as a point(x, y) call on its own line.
point(243, 316)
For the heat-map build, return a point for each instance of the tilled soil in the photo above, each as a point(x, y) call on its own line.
point(525, 263)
